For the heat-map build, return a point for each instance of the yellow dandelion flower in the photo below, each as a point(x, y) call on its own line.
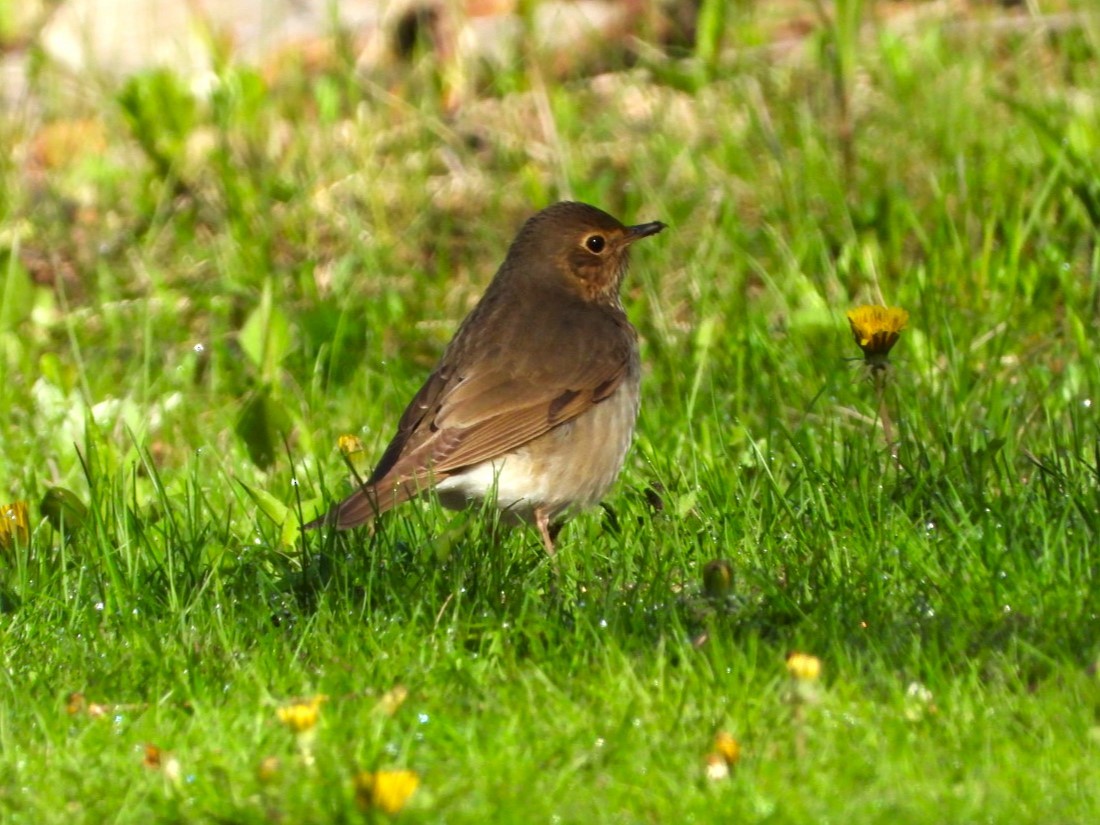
point(727, 747)
point(354, 453)
point(385, 790)
point(268, 769)
point(876, 330)
point(803, 667)
point(14, 523)
point(392, 700)
point(349, 445)
point(301, 716)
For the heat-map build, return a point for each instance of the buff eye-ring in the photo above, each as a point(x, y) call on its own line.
point(595, 243)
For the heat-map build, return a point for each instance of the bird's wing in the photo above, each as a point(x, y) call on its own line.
point(460, 418)
point(492, 411)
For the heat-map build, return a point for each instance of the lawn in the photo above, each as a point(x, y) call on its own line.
point(203, 295)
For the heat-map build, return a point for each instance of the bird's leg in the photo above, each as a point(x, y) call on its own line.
point(549, 533)
point(542, 521)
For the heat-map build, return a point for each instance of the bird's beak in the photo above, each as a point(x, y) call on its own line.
point(643, 230)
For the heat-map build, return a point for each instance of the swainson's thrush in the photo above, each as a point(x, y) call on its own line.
point(535, 398)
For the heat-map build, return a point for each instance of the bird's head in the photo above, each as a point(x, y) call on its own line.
point(579, 247)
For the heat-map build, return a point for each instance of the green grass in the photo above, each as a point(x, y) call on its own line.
point(320, 239)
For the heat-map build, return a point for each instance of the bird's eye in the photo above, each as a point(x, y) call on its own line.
point(595, 243)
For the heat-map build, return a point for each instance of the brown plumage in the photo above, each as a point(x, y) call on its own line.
point(536, 396)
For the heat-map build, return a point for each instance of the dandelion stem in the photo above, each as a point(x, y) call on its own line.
point(889, 433)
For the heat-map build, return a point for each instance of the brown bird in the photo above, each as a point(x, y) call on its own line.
point(535, 398)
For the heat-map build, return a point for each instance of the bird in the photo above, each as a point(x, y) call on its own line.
point(535, 399)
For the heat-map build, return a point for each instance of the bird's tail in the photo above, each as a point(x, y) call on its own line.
point(365, 504)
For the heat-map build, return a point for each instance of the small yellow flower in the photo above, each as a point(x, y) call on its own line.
point(392, 700)
point(268, 769)
point(354, 453)
point(14, 524)
point(349, 445)
point(385, 790)
point(803, 667)
point(727, 747)
point(301, 716)
point(876, 330)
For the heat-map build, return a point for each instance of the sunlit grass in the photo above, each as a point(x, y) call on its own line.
point(198, 314)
